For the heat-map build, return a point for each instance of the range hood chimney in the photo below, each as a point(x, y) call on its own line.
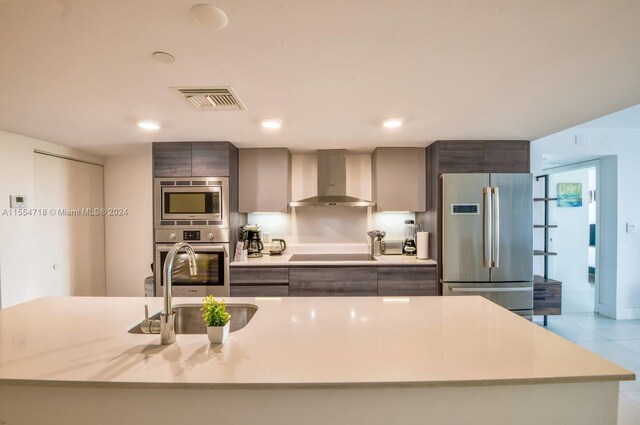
point(332, 183)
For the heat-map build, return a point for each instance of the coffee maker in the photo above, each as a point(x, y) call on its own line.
point(251, 236)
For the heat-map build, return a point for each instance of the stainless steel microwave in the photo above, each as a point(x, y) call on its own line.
point(191, 202)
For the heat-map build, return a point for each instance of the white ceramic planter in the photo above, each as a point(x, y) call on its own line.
point(218, 334)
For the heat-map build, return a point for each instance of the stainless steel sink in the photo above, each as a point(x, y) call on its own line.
point(189, 318)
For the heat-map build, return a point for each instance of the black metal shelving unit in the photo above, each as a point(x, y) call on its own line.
point(546, 226)
point(543, 281)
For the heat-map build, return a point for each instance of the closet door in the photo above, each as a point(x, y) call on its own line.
point(70, 256)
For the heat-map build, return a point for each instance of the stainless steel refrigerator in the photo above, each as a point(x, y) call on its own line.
point(487, 238)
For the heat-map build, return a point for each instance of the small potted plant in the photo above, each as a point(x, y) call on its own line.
point(216, 318)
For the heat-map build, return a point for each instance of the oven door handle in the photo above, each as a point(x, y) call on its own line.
point(167, 247)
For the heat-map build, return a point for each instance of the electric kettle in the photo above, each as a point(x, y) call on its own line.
point(277, 246)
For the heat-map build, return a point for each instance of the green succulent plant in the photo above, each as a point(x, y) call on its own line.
point(214, 312)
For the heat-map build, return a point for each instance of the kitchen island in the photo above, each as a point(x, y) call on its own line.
point(369, 360)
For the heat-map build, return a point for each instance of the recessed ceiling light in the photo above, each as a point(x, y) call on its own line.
point(149, 125)
point(209, 16)
point(163, 57)
point(392, 123)
point(271, 124)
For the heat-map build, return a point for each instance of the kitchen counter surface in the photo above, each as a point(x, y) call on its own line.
point(290, 343)
point(283, 260)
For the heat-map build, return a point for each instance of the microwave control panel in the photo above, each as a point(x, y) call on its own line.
point(191, 235)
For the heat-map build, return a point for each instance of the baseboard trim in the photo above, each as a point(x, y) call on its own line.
point(620, 313)
point(607, 311)
point(628, 313)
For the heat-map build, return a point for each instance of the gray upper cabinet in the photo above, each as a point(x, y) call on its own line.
point(192, 159)
point(399, 179)
point(264, 180)
point(172, 159)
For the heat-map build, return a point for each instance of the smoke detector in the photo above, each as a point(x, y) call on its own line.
point(213, 98)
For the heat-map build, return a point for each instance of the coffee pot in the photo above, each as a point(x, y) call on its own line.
point(254, 245)
point(251, 236)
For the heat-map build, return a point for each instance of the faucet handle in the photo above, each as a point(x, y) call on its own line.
point(148, 326)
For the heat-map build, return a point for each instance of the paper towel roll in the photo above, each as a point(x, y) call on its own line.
point(423, 245)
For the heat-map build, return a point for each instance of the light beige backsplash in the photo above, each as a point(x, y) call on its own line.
point(330, 229)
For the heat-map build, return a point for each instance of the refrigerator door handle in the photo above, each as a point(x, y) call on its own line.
point(495, 204)
point(487, 235)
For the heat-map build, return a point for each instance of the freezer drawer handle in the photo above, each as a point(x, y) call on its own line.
point(516, 289)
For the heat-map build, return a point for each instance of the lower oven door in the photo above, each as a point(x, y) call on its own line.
point(213, 271)
point(515, 296)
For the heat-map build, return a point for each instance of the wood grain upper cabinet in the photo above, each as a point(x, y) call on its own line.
point(192, 159)
point(210, 159)
point(399, 179)
point(510, 156)
point(482, 156)
point(461, 156)
point(264, 180)
point(172, 159)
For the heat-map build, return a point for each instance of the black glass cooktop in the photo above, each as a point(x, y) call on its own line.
point(332, 257)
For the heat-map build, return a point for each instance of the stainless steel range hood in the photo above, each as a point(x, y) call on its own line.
point(332, 183)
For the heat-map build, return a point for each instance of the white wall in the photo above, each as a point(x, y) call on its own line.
point(619, 292)
point(129, 239)
point(571, 239)
point(18, 235)
point(330, 229)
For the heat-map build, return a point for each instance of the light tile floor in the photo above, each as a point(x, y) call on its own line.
point(578, 297)
point(615, 340)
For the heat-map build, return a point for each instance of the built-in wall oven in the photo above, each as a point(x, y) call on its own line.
point(213, 267)
point(193, 210)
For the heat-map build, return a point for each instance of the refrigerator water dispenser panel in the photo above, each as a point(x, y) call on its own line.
point(465, 209)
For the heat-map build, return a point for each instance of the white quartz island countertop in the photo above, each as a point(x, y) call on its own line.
point(292, 342)
point(284, 260)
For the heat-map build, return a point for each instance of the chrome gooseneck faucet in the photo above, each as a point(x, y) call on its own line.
point(167, 329)
point(166, 323)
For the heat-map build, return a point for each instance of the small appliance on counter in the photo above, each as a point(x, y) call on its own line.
point(392, 247)
point(251, 236)
point(277, 247)
point(410, 232)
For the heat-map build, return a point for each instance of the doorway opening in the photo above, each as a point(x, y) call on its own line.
point(575, 213)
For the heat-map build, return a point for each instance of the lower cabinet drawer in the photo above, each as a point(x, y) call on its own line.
point(547, 299)
point(262, 275)
point(260, 291)
point(407, 281)
point(328, 281)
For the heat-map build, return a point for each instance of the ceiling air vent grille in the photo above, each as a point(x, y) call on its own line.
point(213, 98)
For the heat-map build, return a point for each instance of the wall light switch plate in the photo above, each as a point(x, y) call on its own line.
point(17, 201)
point(632, 227)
